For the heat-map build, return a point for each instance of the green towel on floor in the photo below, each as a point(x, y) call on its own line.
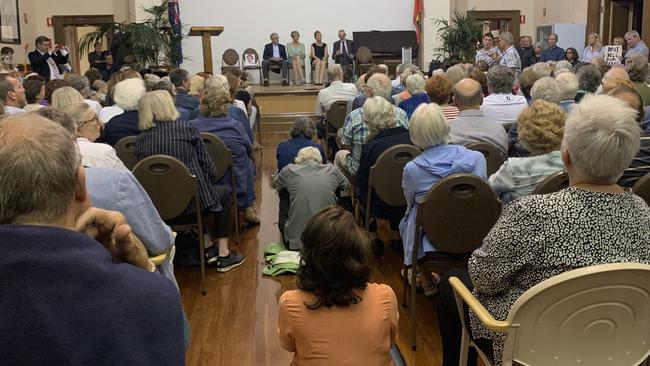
point(280, 260)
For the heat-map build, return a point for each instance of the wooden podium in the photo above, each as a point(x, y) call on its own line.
point(206, 33)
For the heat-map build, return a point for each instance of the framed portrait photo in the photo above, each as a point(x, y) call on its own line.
point(9, 22)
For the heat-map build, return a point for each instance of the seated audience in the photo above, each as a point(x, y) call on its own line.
point(296, 57)
point(404, 94)
point(64, 96)
point(471, 126)
point(275, 55)
point(221, 82)
point(34, 93)
point(592, 222)
point(571, 55)
point(355, 130)
point(164, 134)
point(333, 289)
point(569, 84)
point(12, 95)
point(397, 82)
point(357, 102)
point(81, 84)
point(319, 57)
point(455, 74)
point(640, 165)
point(95, 267)
point(180, 78)
point(548, 89)
point(439, 89)
point(543, 69)
point(611, 84)
point(338, 90)
point(233, 88)
point(150, 81)
point(50, 87)
point(429, 131)
point(215, 120)
point(637, 68)
point(197, 84)
point(127, 97)
point(527, 79)
point(310, 186)
point(538, 53)
point(383, 133)
point(540, 132)
point(480, 77)
point(502, 105)
point(588, 81)
point(415, 86)
point(88, 128)
point(302, 132)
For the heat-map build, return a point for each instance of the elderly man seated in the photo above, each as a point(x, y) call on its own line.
point(12, 95)
point(501, 105)
point(62, 306)
point(637, 68)
point(337, 91)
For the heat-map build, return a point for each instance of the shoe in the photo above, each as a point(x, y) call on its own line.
point(233, 260)
point(211, 254)
point(284, 83)
point(251, 216)
point(266, 82)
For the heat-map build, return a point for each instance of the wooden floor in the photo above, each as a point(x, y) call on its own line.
point(236, 322)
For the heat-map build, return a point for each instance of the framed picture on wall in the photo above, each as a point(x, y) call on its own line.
point(9, 22)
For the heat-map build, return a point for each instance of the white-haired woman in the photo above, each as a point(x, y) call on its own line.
point(127, 96)
point(569, 84)
point(383, 133)
point(163, 133)
point(429, 131)
point(415, 86)
point(594, 48)
point(312, 186)
point(88, 129)
point(592, 222)
point(64, 96)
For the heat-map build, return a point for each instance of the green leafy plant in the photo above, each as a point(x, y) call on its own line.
point(460, 36)
point(151, 42)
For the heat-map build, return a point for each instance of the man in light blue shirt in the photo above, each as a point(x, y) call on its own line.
point(636, 44)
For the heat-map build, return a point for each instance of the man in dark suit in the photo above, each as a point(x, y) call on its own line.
point(44, 59)
point(275, 55)
point(343, 53)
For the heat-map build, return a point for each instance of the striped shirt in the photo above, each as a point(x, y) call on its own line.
point(450, 111)
point(182, 141)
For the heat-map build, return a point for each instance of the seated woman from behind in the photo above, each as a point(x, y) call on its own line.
point(310, 186)
point(540, 129)
point(429, 130)
point(415, 86)
point(592, 222)
point(337, 317)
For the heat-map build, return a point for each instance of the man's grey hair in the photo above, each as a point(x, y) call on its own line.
point(500, 79)
point(563, 64)
point(547, 89)
point(309, 153)
point(542, 69)
point(632, 33)
point(150, 81)
point(128, 93)
point(36, 150)
point(602, 137)
point(335, 72)
point(415, 84)
point(380, 86)
point(178, 77)
point(5, 87)
point(303, 126)
point(637, 68)
point(342, 30)
point(456, 73)
point(80, 83)
point(217, 81)
point(569, 83)
point(588, 78)
point(507, 37)
point(556, 36)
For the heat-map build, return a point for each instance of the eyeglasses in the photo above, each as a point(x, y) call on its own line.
point(94, 119)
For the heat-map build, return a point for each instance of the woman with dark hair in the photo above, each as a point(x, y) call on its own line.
point(571, 55)
point(336, 317)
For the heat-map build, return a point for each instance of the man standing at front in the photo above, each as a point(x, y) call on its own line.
point(343, 53)
point(510, 57)
point(275, 55)
point(44, 59)
point(553, 52)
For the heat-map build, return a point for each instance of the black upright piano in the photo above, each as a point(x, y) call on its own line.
point(386, 46)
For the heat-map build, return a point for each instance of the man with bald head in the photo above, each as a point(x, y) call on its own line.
point(78, 286)
point(471, 126)
point(355, 131)
point(615, 72)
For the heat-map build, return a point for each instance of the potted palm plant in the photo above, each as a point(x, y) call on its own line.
point(152, 43)
point(460, 36)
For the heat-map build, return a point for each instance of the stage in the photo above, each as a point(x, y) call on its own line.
point(280, 105)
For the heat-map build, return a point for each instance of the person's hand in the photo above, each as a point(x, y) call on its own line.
point(338, 52)
point(112, 231)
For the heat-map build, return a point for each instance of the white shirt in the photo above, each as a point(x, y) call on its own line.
point(94, 105)
point(97, 155)
point(337, 90)
point(33, 107)
point(504, 108)
point(107, 113)
point(54, 70)
point(276, 50)
point(241, 105)
point(13, 110)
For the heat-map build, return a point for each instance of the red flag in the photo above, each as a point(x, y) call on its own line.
point(418, 8)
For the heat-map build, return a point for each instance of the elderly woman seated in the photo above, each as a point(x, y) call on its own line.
point(214, 108)
point(439, 89)
point(541, 127)
point(429, 130)
point(311, 186)
point(163, 133)
point(88, 127)
point(127, 96)
point(415, 86)
point(383, 133)
point(592, 222)
point(569, 84)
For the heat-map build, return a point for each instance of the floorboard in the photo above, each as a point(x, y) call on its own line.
point(236, 322)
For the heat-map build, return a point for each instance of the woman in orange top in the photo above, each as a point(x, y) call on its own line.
point(337, 317)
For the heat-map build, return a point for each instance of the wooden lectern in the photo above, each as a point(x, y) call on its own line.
point(206, 33)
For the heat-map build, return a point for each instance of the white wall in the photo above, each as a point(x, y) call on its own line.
point(561, 11)
point(249, 23)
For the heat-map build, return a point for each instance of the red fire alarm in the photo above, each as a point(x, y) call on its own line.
point(522, 19)
point(49, 22)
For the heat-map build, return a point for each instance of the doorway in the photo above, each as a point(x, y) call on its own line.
point(69, 29)
point(620, 16)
